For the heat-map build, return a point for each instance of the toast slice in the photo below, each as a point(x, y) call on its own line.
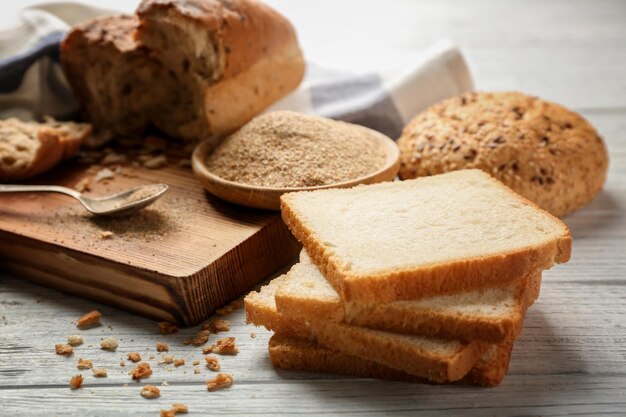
point(299, 355)
point(491, 315)
point(435, 359)
point(404, 240)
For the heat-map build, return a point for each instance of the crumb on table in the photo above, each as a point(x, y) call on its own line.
point(220, 381)
point(76, 381)
point(212, 363)
point(150, 391)
point(63, 349)
point(162, 347)
point(88, 319)
point(84, 364)
point(133, 356)
point(165, 327)
point(74, 340)
point(99, 372)
point(110, 343)
point(142, 370)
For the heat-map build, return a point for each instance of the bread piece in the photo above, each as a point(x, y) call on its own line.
point(435, 359)
point(231, 60)
point(491, 315)
point(30, 148)
point(297, 355)
point(545, 152)
point(261, 311)
point(117, 82)
point(430, 236)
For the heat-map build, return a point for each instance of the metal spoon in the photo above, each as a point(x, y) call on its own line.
point(120, 204)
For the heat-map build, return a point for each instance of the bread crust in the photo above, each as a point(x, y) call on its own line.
point(544, 151)
point(443, 278)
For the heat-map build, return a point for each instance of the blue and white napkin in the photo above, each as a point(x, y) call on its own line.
point(32, 84)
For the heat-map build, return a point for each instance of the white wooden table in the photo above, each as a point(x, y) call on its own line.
point(571, 356)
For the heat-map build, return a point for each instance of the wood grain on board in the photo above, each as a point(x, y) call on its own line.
point(178, 260)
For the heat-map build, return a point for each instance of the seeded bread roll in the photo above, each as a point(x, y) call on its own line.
point(192, 68)
point(30, 148)
point(542, 150)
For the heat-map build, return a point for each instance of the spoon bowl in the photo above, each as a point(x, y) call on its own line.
point(116, 205)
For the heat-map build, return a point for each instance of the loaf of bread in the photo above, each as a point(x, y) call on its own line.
point(192, 68)
point(409, 239)
point(543, 151)
point(30, 148)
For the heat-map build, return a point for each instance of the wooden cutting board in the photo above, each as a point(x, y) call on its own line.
point(179, 260)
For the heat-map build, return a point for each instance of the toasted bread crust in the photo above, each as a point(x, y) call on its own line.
point(444, 278)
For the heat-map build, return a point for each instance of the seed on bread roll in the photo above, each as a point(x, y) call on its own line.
point(543, 151)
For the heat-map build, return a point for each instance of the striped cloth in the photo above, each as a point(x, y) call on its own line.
point(32, 84)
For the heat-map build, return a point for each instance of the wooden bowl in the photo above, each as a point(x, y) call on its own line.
point(269, 198)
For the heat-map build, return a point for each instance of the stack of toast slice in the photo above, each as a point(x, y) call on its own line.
point(425, 280)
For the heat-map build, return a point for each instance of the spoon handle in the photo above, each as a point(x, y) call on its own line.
point(18, 188)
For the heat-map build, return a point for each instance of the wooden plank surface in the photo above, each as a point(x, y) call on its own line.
point(571, 356)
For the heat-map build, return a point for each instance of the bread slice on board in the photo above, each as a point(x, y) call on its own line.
point(429, 236)
point(30, 148)
point(435, 359)
point(491, 315)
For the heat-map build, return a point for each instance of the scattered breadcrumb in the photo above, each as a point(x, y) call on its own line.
point(76, 381)
point(63, 349)
point(220, 381)
point(88, 319)
point(83, 185)
point(84, 364)
point(196, 362)
point(168, 413)
point(150, 391)
point(122, 364)
point(113, 158)
point(165, 327)
point(162, 347)
point(74, 340)
point(165, 384)
point(225, 346)
point(104, 174)
point(196, 370)
point(207, 350)
point(110, 343)
point(227, 309)
point(179, 362)
point(142, 370)
point(134, 357)
point(180, 408)
point(156, 162)
point(217, 325)
point(106, 234)
point(252, 335)
point(199, 339)
point(99, 372)
point(212, 363)
point(167, 359)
